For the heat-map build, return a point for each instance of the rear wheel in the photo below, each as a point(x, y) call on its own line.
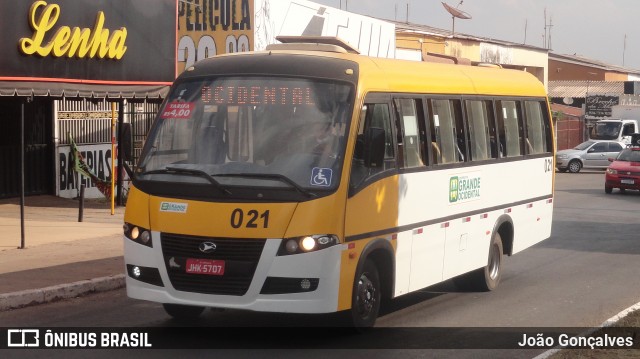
point(183, 312)
point(574, 166)
point(488, 277)
point(365, 302)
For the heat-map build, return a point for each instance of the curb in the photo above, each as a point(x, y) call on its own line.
point(30, 297)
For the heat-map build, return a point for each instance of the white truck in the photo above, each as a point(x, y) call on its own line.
point(624, 121)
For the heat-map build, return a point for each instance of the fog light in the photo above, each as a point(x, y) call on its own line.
point(305, 284)
point(145, 237)
point(292, 246)
point(136, 271)
point(308, 243)
point(324, 240)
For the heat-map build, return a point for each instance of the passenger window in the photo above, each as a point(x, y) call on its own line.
point(614, 147)
point(412, 136)
point(536, 131)
point(599, 147)
point(372, 115)
point(380, 118)
point(447, 133)
point(510, 134)
point(478, 125)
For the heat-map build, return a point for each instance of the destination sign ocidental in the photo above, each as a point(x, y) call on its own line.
point(257, 95)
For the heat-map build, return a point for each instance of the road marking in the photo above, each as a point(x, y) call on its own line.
point(607, 323)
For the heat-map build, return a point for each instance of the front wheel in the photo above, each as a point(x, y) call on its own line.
point(574, 166)
point(183, 312)
point(365, 302)
point(608, 189)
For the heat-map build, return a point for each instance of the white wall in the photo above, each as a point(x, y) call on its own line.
point(300, 17)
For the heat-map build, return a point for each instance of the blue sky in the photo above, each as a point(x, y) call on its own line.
point(589, 28)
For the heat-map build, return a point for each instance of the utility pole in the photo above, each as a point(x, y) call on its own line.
point(624, 48)
point(550, 26)
point(544, 39)
point(407, 13)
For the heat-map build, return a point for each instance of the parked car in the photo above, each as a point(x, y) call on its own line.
point(624, 171)
point(588, 154)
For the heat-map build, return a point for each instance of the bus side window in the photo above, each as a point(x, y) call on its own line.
point(537, 127)
point(413, 133)
point(461, 133)
point(372, 115)
point(510, 134)
point(447, 142)
point(478, 126)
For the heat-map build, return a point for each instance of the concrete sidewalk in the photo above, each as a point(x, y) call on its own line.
point(63, 258)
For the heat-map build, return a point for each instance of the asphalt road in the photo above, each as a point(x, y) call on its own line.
point(584, 274)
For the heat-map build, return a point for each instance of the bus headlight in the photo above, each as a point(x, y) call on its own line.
point(307, 244)
point(137, 234)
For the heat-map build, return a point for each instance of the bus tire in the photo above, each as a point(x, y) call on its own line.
point(487, 278)
point(492, 272)
point(365, 300)
point(183, 312)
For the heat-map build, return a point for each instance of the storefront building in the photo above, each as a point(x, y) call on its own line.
point(64, 64)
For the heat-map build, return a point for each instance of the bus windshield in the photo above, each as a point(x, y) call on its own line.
point(250, 132)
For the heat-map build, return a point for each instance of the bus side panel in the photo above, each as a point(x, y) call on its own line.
point(421, 248)
point(534, 226)
point(443, 220)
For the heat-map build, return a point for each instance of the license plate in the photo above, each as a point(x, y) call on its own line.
point(627, 181)
point(205, 266)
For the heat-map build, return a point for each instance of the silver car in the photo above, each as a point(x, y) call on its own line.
point(588, 154)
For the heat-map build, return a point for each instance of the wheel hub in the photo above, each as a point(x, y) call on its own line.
point(366, 296)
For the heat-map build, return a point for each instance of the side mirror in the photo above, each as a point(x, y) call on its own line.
point(126, 142)
point(374, 145)
point(611, 159)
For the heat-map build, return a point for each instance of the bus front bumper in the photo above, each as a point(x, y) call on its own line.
point(300, 283)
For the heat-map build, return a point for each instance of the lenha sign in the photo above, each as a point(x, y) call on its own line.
point(114, 42)
point(71, 42)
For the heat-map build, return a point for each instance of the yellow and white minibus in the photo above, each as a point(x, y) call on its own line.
point(309, 179)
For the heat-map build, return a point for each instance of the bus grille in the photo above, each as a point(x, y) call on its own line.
point(241, 258)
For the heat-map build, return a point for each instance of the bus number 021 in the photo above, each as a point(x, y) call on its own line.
point(253, 217)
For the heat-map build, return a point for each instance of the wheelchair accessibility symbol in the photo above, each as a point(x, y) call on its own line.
point(321, 176)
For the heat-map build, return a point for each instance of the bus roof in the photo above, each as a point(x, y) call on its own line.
point(437, 78)
point(387, 75)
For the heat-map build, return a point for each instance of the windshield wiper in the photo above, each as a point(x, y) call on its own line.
point(274, 176)
point(190, 171)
